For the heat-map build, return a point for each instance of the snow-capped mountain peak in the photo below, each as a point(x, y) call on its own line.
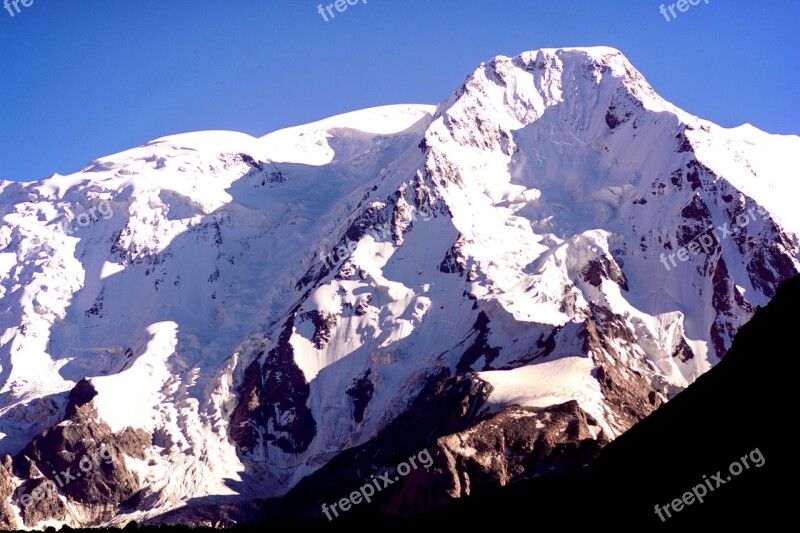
point(545, 246)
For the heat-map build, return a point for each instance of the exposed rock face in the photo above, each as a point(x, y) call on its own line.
point(454, 261)
point(471, 447)
point(273, 396)
point(42, 501)
point(79, 461)
point(324, 323)
point(517, 443)
point(599, 269)
point(7, 518)
point(630, 394)
point(361, 393)
point(445, 405)
point(480, 348)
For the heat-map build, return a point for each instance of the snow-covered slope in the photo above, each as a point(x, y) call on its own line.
point(258, 305)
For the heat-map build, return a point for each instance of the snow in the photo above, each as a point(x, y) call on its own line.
point(758, 164)
point(549, 383)
point(383, 120)
point(309, 144)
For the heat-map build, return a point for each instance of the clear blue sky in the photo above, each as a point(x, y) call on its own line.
point(80, 79)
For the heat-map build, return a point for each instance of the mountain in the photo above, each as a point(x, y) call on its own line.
point(509, 280)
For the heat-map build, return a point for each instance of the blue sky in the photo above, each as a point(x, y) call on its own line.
point(80, 79)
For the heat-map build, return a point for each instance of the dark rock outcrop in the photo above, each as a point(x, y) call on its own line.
point(479, 348)
point(514, 444)
point(79, 460)
point(624, 387)
point(273, 400)
point(361, 393)
point(470, 445)
point(7, 518)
